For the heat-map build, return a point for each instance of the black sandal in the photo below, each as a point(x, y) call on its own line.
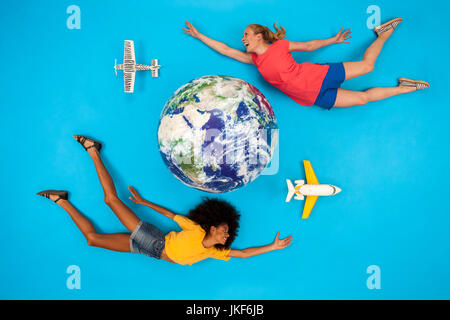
point(62, 194)
point(82, 139)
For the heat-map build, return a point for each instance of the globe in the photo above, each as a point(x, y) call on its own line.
point(217, 133)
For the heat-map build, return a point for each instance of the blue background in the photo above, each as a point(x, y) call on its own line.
point(390, 157)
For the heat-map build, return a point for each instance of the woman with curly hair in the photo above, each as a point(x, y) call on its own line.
point(311, 83)
point(207, 232)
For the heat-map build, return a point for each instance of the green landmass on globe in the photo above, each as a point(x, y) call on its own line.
point(217, 133)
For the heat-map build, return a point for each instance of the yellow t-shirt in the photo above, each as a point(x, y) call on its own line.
point(185, 247)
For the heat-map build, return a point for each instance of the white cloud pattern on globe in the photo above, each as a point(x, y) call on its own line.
point(217, 133)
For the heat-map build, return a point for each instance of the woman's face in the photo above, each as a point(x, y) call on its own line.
point(250, 39)
point(220, 233)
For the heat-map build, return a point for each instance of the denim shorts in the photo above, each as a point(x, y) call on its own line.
point(147, 239)
point(333, 80)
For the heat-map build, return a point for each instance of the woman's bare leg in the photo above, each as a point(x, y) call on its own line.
point(367, 64)
point(125, 215)
point(349, 98)
point(115, 241)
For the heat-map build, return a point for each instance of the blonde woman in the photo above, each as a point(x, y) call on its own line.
point(311, 83)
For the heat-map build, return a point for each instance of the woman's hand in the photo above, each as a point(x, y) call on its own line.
point(191, 30)
point(342, 36)
point(137, 198)
point(281, 243)
point(251, 252)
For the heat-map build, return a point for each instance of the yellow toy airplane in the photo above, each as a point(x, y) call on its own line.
point(312, 190)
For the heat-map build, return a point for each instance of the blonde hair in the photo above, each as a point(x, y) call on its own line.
point(267, 34)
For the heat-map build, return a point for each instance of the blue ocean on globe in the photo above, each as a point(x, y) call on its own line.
point(217, 133)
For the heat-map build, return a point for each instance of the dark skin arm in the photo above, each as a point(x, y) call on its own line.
point(244, 253)
point(254, 251)
point(139, 200)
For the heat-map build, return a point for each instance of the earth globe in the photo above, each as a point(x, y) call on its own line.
point(217, 133)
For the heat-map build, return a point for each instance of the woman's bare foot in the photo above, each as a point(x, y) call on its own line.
point(405, 89)
point(385, 35)
point(54, 197)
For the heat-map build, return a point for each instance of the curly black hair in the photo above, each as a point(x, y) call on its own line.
point(214, 212)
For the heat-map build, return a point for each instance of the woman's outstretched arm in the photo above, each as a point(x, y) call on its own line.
point(219, 46)
point(139, 200)
point(250, 252)
point(316, 44)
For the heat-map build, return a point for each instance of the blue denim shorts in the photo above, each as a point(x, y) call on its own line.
point(147, 239)
point(333, 80)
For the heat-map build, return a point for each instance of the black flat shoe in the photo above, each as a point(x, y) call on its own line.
point(62, 194)
point(82, 139)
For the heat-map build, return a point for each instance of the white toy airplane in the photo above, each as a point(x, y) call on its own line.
point(130, 67)
point(312, 190)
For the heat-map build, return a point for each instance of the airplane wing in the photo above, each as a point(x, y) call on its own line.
point(128, 81)
point(310, 179)
point(128, 51)
point(309, 205)
point(309, 172)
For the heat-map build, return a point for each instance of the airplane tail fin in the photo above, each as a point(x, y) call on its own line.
point(155, 67)
point(291, 190)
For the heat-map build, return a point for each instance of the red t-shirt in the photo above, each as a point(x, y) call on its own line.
point(299, 81)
